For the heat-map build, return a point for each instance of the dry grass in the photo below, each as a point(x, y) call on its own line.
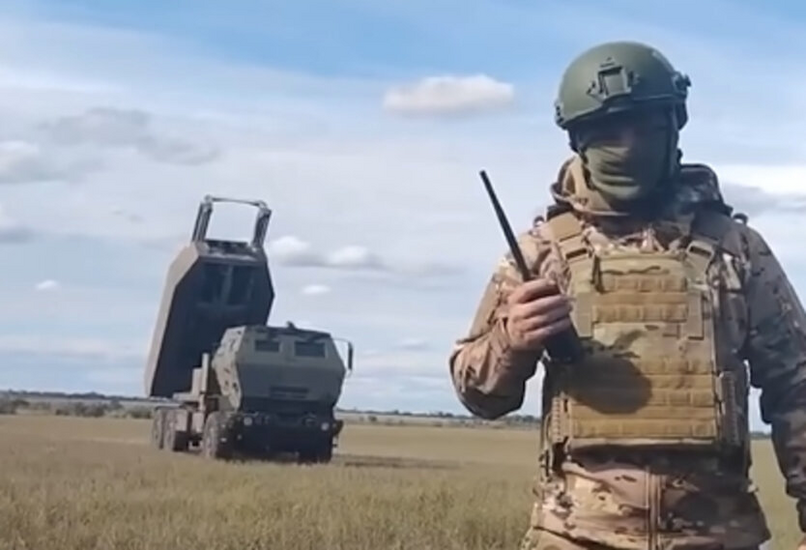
point(79, 483)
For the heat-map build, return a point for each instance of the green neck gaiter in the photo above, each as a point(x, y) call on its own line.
point(627, 174)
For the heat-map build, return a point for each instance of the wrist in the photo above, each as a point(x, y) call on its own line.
point(512, 357)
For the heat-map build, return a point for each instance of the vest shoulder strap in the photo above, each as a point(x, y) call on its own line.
point(567, 232)
point(712, 232)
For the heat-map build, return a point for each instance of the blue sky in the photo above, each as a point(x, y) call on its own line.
point(363, 125)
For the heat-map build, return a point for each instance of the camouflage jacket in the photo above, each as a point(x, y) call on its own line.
point(695, 503)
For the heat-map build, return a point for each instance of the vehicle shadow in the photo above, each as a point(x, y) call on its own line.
point(391, 462)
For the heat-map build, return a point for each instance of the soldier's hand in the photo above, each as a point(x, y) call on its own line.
point(802, 545)
point(536, 311)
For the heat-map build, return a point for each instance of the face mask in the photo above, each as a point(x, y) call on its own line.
point(626, 173)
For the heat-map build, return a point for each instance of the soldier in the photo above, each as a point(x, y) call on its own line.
point(644, 441)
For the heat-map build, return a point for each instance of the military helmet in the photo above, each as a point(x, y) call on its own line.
point(619, 76)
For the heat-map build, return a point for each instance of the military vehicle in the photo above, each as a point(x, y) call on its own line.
point(233, 384)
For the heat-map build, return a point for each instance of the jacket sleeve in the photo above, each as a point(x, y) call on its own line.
point(776, 353)
point(488, 375)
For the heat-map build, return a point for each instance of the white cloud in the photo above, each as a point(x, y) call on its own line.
point(785, 181)
point(353, 256)
point(113, 127)
point(12, 231)
point(450, 95)
point(293, 251)
point(48, 285)
point(756, 201)
point(315, 290)
point(25, 162)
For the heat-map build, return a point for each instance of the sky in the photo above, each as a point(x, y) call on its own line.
point(363, 125)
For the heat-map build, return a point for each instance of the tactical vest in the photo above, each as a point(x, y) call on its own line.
point(652, 375)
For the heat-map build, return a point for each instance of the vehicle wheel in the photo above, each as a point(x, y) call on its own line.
point(158, 428)
point(321, 452)
point(325, 452)
point(181, 441)
point(215, 441)
point(176, 441)
point(306, 456)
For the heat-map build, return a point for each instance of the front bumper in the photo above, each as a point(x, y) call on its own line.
point(267, 431)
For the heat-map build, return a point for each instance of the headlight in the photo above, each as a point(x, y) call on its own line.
point(247, 421)
point(325, 426)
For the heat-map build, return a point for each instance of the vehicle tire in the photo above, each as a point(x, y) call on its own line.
point(158, 428)
point(319, 452)
point(181, 441)
point(215, 441)
point(325, 452)
point(176, 441)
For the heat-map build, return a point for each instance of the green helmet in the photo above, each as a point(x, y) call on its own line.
point(619, 76)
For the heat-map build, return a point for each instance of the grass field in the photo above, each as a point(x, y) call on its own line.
point(71, 483)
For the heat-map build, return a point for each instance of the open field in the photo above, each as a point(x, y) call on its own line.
point(73, 483)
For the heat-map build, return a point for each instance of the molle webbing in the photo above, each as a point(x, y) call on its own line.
point(650, 375)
